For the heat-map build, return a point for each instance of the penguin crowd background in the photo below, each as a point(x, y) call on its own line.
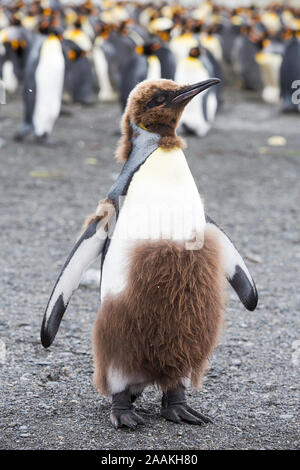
point(82, 52)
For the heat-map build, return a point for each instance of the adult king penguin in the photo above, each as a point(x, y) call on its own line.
point(290, 75)
point(164, 263)
point(43, 85)
point(199, 114)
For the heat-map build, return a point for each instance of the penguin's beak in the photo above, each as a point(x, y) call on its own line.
point(187, 93)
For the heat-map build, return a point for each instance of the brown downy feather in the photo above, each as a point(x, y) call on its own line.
point(165, 325)
point(124, 145)
point(105, 210)
point(161, 120)
point(168, 142)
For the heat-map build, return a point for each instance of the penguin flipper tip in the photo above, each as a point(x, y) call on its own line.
point(46, 339)
point(51, 324)
point(245, 290)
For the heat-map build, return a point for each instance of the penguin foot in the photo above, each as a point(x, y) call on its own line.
point(179, 413)
point(175, 408)
point(65, 111)
point(22, 133)
point(289, 109)
point(18, 137)
point(125, 418)
point(123, 413)
point(86, 102)
point(47, 141)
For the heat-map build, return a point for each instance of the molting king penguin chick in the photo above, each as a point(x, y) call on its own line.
point(164, 263)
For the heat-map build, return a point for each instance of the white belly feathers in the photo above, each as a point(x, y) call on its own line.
point(162, 202)
point(49, 86)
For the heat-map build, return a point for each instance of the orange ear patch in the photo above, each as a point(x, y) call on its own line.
point(72, 54)
point(15, 44)
point(139, 50)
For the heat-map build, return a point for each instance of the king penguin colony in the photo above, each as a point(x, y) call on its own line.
point(70, 45)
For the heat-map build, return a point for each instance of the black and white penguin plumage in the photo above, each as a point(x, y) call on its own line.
point(167, 61)
point(153, 62)
point(104, 57)
point(164, 262)
point(199, 115)
point(228, 33)
point(269, 60)
point(182, 44)
point(161, 60)
point(13, 52)
point(43, 86)
point(2, 58)
point(131, 67)
point(290, 76)
point(243, 55)
point(80, 77)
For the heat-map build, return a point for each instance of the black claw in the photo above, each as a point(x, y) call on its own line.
point(170, 414)
point(178, 413)
point(204, 418)
point(188, 416)
point(138, 418)
point(125, 418)
point(128, 421)
point(174, 408)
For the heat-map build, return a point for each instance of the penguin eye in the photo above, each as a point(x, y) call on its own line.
point(160, 99)
point(156, 101)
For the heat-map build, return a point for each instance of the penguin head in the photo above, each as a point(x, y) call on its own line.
point(156, 106)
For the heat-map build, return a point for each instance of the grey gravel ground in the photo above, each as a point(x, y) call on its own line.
point(252, 189)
